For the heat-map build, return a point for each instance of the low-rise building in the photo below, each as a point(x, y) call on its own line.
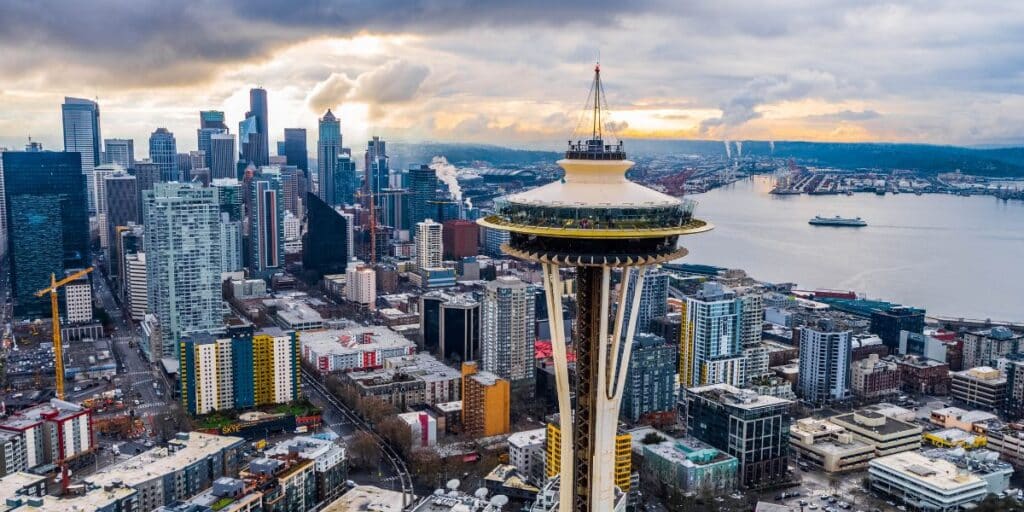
point(353, 348)
point(824, 444)
point(925, 483)
point(887, 435)
point(329, 462)
point(53, 432)
point(526, 452)
point(684, 465)
point(921, 375)
point(874, 378)
point(954, 438)
point(226, 495)
point(188, 465)
point(368, 497)
point(954, 417)
point(422, 428)
point(297, 316)
point(983, 387)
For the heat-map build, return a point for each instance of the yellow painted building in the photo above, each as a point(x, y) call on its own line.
point(485, 402)
point(623, 457)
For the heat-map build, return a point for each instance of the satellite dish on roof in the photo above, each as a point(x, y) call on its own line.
point(481, 493)
point(438, 492)
point(499, 500)
point(453, 484)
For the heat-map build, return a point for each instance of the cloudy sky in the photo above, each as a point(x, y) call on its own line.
point(517, 73)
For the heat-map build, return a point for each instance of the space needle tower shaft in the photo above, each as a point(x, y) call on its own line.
point(605, 227)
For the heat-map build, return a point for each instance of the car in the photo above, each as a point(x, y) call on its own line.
point(812, 506)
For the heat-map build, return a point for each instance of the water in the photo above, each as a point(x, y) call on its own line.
point(957, 256)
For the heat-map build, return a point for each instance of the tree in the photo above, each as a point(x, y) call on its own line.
point(652, 438)
point(426, 467)
point(397, 433)
point(364, 450)
point(374, 409)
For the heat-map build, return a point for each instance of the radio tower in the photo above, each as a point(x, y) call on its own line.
point(600, 223)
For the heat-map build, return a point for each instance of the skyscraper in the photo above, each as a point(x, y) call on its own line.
point(122, 208)
point(163, 151)
point(825, 364)
point(48, 215)
point(422, 193)
point(266, 227)
point(81, 119)
point(325, 246)
point(650, 382)
point(211, 122)
point(295, 149)
point(99, 175)
point(711, 350)
point(223, 157)
point(120, 152)
point(3, 208)
point(653, 299)
point(345, 181)
point(461, 239)
point(253, 139)
point(507, 325)
point(428, 244)
point(377, 170)
point(183, 260)
point(328, 148)
point(229, 199)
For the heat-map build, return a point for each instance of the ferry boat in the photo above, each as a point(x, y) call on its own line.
point(818, 220)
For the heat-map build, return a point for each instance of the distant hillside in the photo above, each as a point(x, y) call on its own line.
point(406, 154)
point(1002, 162)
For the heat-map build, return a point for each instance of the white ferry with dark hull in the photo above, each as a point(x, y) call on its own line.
point(838, 221)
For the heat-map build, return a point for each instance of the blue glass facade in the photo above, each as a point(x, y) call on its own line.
point(325, 246)
point(47, 211)
point(422, 193)
point(242, 371)
point(163, 151)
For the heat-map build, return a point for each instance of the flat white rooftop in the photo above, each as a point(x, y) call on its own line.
point(159, 461)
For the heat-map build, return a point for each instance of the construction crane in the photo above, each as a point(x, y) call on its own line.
point(369, 197)
point(58, 349)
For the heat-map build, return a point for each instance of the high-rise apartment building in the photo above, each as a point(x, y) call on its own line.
point(711, 348)
point(137, 296)
point(163, 151)
point(753, 428)
point(825, 364)
point(653, 299)
point(81, 120)
point(295, 149)
point(344, 182)
point(361, 285)
point(422, 193)
point(493, 240)
point(78, 301)
point(48, 215)
point(328, 148)
point(485, 402)
point(428, 244)
point(266, 227)
point(507, 325)
point(650, 383)
point(120, 152)
point(325, 244)
point(183, 259)
point(239, 370)
point(99, 200)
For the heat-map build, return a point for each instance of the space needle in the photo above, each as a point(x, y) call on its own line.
point(600, 223)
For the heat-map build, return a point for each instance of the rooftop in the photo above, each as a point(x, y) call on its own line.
point(740, 398)
point(161, 461)
point(986, 374)
point(353, 340)
point(875, 422)
point(367, 498)
point(935, 473)
point(527, 437)
point(424, 366)
point(94, 499)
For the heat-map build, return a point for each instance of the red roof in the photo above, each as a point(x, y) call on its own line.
point(542, 350)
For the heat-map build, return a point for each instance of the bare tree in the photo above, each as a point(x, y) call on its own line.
point(364, 450)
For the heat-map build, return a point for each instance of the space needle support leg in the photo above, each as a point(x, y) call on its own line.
point(553, 293)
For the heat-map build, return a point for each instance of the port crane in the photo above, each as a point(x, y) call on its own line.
point(58, 349)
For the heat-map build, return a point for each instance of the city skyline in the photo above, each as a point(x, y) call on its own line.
point(850, 72)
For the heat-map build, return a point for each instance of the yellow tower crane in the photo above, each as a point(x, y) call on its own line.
point(58, 349)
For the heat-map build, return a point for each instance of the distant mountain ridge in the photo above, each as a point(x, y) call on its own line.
point(924, 158)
